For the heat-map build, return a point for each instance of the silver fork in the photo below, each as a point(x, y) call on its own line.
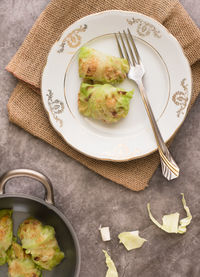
point(129, 51)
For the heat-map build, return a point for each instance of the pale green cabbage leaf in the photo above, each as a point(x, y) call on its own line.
point(184, 221)
point(112, 271)
point(131, 240)
point(170, 223)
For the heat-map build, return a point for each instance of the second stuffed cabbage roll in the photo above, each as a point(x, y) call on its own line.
point(104, 102)
point(20, 264)
point(97, 66)
point(40, 242)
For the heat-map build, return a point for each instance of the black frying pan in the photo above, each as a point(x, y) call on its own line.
point(25, 206)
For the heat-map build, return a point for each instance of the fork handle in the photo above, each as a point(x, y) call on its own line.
point(162, 148)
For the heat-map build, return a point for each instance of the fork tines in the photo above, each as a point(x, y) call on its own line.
point(132, 55)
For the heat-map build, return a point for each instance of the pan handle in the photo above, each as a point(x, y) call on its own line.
point(49, 198)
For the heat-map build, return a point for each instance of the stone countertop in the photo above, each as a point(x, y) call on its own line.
point(88, 199)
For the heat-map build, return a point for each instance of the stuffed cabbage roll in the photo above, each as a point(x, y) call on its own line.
point(39, 241)
point(20, 264)
point(104, 102)
point(100, 67)
point(6, 233)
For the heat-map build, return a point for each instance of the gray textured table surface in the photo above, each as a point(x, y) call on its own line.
point(89, 200)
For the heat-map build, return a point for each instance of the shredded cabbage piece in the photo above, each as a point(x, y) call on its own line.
point(131, 240)
point(112, 271)
point(184, 221)
point(171, 221)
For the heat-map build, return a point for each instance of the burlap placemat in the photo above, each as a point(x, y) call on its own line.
point(25, 107)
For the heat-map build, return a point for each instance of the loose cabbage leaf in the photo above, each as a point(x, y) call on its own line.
point(171, 222)
point(131, 240)
point(184, 221)
point(112, 271)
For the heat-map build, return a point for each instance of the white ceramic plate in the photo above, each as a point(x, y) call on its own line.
point(167, 81)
